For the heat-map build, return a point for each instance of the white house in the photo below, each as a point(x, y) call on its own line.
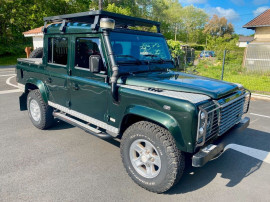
point(37, 35)
point(244, 41)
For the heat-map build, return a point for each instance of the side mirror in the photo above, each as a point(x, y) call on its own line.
point(95, 63)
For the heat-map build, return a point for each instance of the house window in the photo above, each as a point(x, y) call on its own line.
point(85, 47)
point(58, 50)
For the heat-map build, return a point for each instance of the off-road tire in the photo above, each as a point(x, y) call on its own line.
point(46, 112)
point(37, 53)
point(172, 159)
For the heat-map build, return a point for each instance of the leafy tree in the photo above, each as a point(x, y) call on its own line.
point(175, 47)
point(218, 26)
point(17, 16)
point(194, 20)
point(118, 9)
point(219, 44)
point(173, 16)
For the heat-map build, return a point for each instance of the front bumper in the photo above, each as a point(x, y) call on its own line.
point(211, 151)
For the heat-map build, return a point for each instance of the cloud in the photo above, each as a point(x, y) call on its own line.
point(260, 2)
point(230, 14)
point(193, 1)
point(260, 10)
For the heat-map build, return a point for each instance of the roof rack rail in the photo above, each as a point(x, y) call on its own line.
point(93, 18)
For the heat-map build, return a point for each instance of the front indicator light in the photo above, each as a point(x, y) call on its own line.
point(202, 115)
point(201, 130)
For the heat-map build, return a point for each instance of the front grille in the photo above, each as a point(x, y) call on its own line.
point(223, 116)
point(232, 114)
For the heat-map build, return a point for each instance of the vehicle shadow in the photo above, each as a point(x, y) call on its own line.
point(60, 125)
point(231, 165)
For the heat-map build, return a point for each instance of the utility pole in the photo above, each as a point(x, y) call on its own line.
point(100, 5)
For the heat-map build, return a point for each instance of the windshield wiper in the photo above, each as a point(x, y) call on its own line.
point(143, 71)
point(155, 56)
point(130, 56)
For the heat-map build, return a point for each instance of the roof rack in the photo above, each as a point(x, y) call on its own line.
point(93, 18)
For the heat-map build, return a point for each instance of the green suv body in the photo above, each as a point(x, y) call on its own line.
point(117, 82)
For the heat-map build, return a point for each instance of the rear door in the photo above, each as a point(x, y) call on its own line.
point(57, 58)
point(88, 91)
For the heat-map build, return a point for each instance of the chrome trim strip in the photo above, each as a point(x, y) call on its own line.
point(234, 100)
point(84, 117)
point(191, 97)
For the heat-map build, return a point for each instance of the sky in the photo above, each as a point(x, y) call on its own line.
point(238, 12)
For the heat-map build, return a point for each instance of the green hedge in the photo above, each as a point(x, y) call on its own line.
point(198, 47)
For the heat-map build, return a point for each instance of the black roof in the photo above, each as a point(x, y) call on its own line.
point(93, 18)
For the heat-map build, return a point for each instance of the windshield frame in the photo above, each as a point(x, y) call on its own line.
point(149, 64)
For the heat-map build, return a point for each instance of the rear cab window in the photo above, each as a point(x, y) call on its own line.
point(58, 50)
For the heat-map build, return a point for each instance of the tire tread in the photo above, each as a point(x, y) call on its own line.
point(175, 156)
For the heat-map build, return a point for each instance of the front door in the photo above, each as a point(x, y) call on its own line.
point(88, 91)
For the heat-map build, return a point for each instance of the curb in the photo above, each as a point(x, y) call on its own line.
point(260, 96)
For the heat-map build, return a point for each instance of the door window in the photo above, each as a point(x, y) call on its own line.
point(58, 50)
point(85, 47)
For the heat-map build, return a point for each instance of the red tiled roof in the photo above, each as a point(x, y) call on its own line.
point(34, 31)
point(260, 21)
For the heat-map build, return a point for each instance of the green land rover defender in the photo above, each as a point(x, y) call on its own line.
point(102, 73)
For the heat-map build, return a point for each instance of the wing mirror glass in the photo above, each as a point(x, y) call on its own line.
point(95, 63)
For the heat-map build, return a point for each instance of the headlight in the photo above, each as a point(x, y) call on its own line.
point(107, 23)
point(202, 127)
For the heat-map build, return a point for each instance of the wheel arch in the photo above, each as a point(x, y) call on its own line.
point(33, 83)
point(137, 113)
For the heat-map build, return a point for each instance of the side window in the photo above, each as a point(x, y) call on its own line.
point(58, 50)
point(85, 47)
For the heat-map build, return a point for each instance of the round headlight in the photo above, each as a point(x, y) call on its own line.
point(203, 115)
point(107, 23)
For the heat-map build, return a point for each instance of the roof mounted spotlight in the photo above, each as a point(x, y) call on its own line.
point(107, 23)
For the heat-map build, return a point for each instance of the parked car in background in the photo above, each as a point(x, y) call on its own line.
point(207, 54)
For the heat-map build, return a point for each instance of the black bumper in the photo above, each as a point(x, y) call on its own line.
point(211, 151)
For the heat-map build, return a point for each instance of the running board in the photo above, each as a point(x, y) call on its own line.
point(83, 126)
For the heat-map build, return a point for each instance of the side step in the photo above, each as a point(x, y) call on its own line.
point(83, 126)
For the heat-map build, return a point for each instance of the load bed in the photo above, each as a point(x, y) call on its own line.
point(37, 61)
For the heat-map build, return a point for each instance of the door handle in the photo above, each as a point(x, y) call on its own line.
point(49, 80)
point(76, 87)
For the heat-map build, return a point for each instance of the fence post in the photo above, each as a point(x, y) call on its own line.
point(223, 64)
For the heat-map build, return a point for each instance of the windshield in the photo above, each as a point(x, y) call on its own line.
point(139, 50)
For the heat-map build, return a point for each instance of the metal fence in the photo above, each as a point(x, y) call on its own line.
point(257, 57)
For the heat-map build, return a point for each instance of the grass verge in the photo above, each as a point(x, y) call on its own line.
point(10, 59)
point(254, 81)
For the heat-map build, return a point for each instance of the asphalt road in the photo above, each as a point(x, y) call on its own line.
point(67, 164)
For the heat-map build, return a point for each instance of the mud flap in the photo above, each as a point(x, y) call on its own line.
point(23, 102)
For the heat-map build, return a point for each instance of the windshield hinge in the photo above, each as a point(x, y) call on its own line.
point(69, 72)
